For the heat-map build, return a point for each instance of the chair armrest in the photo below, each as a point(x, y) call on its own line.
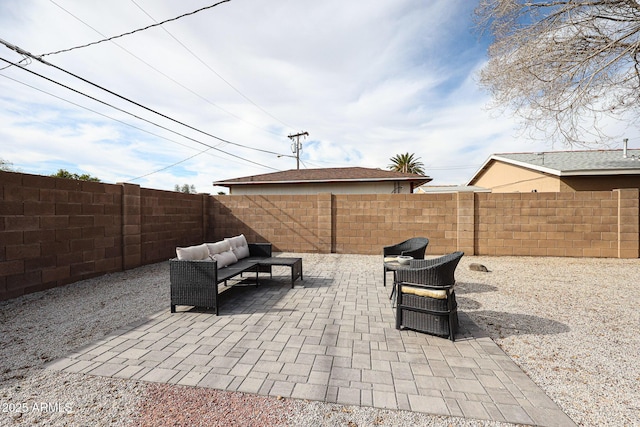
point(192, 272)
point(426, 263)
point(452, 258)
point(390, 250)
point(415, 247)
point(417, 253)
point(436, 272)
point(436, 275)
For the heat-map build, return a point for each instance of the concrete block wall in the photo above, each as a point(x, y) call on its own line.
point(329, 223)
point(573, 224)
point(576, 224)
point(291, 223)
point(628, 216)
point(56, 231)
point(170, 219)
point(364, 223)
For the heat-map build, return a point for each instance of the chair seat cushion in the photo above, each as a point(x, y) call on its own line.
point(421, 292)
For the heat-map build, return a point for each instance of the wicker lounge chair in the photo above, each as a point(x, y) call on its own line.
point(414, 247)
point(426, 298)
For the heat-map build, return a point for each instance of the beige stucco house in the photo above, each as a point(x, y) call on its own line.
point(352, 180)
point(557, 171)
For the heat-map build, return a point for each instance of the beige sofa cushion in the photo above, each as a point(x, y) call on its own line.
point(193, 253)
point(218, 247)
point(239, 246)
point(225, 258)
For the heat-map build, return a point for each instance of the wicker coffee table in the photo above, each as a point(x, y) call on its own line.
point(294, 263)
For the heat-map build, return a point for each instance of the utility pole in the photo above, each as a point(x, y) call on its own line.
point(296, 146)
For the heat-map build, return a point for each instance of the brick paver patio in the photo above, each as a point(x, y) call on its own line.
point(333, 340)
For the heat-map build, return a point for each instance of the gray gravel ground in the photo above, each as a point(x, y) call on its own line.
point(571, 324)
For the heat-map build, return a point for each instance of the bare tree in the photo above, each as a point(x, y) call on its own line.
point(564, 66)
point(6, 165)
point(185, 188)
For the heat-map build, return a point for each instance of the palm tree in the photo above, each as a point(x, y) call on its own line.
point(406, 163)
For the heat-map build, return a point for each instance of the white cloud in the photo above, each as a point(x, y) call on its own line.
point(366, 81)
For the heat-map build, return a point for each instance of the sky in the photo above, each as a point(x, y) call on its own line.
point(215, 95)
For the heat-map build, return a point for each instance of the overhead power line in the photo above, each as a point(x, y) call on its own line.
point(211, 69)
point(162, 73)
point(206, 151)
point(134, 115)
point(136, 31)
point(92, 110)
point(25, 59)
point(168, 167)
point(453, 167)
point(124, 98)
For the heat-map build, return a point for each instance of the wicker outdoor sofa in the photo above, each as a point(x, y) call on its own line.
point(198, 270)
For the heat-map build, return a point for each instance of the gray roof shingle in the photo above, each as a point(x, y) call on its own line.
point(573, 162)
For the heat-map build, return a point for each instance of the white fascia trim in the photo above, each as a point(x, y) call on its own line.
point(483, 167)
point(321, 181)
point(512, 162)
point(530, 166)
point(601, 172)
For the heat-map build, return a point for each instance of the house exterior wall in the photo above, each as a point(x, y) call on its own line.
point(599, 183)
point(505, 178)
point(55, 231)
point(334, 188)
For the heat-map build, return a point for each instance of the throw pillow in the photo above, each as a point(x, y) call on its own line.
point(225, 258)
point(218, 247)
point(193, 253)
point(239, 246)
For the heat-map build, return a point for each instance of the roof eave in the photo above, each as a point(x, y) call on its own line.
point(326, 181)
point(550, 171)
point(600, 172)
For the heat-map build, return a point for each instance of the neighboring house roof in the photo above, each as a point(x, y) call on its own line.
point(571, 163)
point(326, 175)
